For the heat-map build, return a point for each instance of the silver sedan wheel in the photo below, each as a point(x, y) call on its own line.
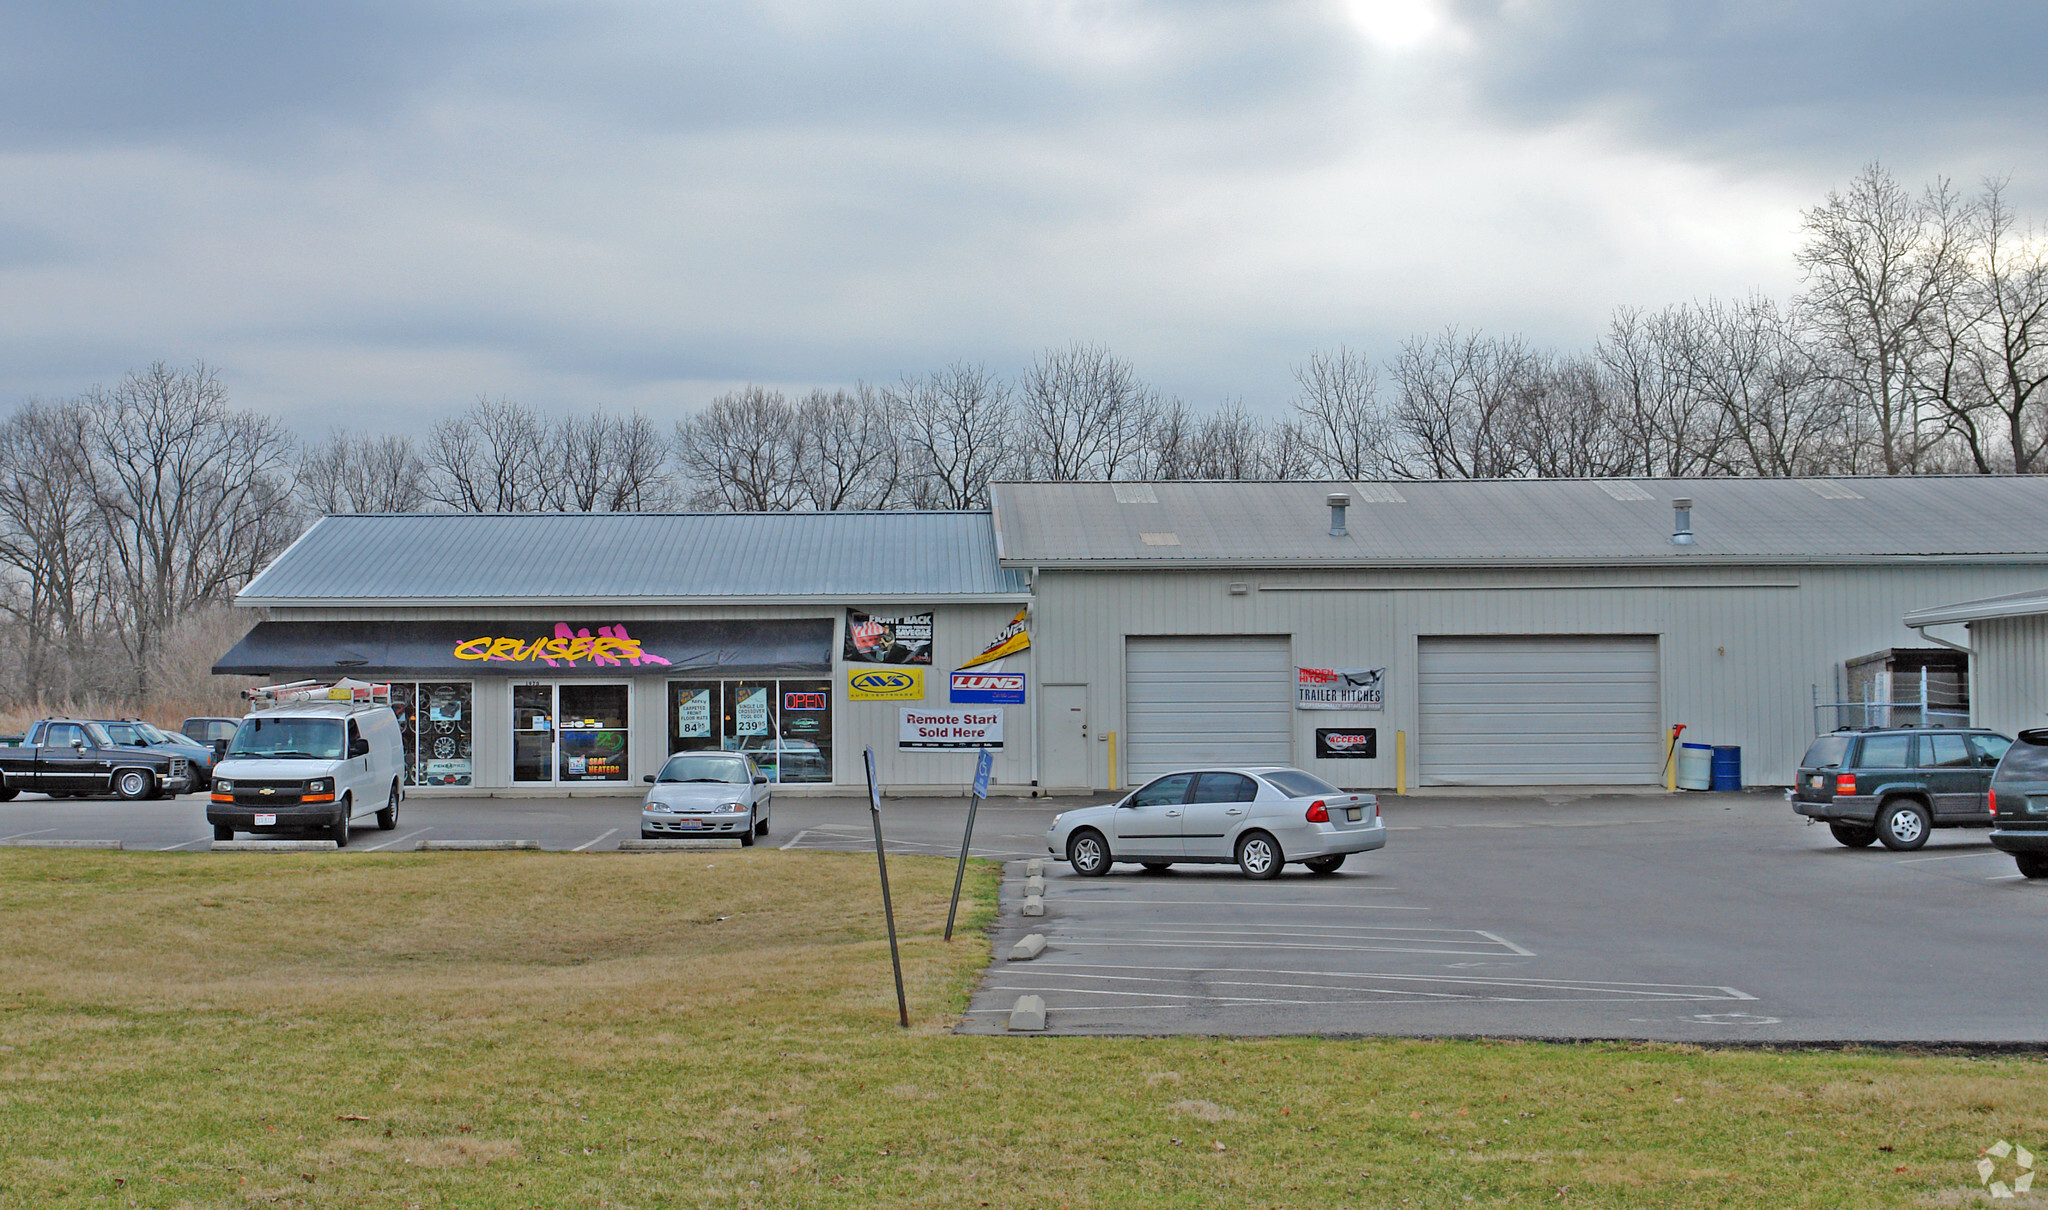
point(1258, 856)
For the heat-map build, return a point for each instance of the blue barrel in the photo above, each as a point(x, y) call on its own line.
point(1727, 767)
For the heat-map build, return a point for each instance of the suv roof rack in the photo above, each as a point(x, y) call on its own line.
point(347, 689)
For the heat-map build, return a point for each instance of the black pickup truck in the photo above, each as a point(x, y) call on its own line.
point(63, 757)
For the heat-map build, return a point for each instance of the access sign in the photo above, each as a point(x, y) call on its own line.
point(987, 689)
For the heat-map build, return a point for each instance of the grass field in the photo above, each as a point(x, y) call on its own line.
point(719, 1029)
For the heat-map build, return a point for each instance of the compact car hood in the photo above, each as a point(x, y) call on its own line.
point(696, 796)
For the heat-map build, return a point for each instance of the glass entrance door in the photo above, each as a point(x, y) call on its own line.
point(568, 733)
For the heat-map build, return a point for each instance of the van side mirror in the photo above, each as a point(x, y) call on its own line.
point(649, 779)
point(359, 747)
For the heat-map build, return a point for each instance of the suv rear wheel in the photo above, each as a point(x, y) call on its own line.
point(1903, 824)
point(1856, 836)
point(2032, 865)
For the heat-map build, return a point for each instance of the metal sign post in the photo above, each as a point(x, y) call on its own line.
point(981, 772)
point(888, 911)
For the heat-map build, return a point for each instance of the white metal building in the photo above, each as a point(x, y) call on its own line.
point(2007, 639)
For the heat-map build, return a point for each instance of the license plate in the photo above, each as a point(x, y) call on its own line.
point(266, 821)
point(689, 825)
point(1354, 814)
point(1818, 783)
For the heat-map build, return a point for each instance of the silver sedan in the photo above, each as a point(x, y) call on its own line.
point(1260, 817)
point(706, 793)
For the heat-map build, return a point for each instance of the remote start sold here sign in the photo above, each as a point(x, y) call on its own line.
point(954, 729)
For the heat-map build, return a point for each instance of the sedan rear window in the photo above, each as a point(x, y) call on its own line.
point(2026, 761)
point(1827, 753)
point(1296, 784)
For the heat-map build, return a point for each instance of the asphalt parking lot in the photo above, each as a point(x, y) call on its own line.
point(1705, 917)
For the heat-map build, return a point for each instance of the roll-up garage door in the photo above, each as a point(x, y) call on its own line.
point(1205, 701)
point(1539, 710)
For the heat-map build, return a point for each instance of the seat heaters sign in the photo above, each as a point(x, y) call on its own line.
point(986, 689)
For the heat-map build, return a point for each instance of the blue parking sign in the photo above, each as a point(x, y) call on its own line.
point(981, 772)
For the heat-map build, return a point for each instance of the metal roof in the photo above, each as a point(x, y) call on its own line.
point(1497, 522)
point(529, 558)
point(2013, 605)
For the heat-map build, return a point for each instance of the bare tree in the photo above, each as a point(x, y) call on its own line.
point(490, 459)
point(606, 464)
point(51, 546)
point(1783, 415)
point(1085, 414)
point(956, 427)
point(191, 497)
point(851, 455)
point(1455, 411)
point(744, 452)
point(1990, 341)
point(1674, 431)
point(1341, 417)
point(360, 473)
point(1879, 265)
point(1570, 422)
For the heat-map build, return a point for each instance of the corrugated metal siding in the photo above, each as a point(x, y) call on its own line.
point(1206, 701)
point(1524, 520)
point(2009, 676)
point(647, 555)
point(1740, 664)
point(1553, 710)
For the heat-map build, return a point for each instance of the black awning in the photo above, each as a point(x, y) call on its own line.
point(725, 647)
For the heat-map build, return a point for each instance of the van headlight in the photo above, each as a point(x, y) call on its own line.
point(320, 785)
point(223, 784)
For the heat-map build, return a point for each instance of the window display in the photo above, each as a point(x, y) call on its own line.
point(786, 726)
point(435, 724)
point(572, 732)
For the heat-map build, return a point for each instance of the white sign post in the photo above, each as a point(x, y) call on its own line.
point(982, 768)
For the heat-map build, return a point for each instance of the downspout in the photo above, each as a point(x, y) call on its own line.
point(1920, 628)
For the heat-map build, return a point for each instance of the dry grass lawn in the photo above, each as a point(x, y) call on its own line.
point(719, 1029)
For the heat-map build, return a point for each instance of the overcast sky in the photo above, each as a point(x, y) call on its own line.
point(371, 213)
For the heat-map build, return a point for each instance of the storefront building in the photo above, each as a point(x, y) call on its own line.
point(517, 663)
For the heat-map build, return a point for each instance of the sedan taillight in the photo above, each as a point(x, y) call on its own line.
point(1845, 784)
point(1317, 813)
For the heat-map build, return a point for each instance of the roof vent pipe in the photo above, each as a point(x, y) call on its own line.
point(1338, 501)
point(1681, 522)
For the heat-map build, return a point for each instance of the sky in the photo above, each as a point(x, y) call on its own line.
point(370, 214)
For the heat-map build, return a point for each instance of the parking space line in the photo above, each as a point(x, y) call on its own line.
point(792, 841)
point(1949, 857)
point(1327, 932)
point(394, 840)
point(181, 844)
point(19, 835)
point(585, 846)
point(1261, 944)
point(1658, 991)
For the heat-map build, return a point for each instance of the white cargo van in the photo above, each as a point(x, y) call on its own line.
point(310, 757)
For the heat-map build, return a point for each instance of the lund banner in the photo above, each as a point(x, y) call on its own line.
point(897, 639)
point(986, 689)
point(1340, 688)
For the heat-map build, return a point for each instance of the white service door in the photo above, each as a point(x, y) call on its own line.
point(1539, 710)
point(1190, 702)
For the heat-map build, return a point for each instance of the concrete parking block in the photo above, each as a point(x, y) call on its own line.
point(1029, 948)
point(1034, 905)
point(692, 844)
point(60, 844)
point(1034, 867)
point(272, 846)
point(1029, 1013)
point(478, 846)
point(1035, 885)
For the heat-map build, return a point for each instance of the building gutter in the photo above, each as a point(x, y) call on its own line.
point(832, 600)
point(1354, 563)
point(1920, 628)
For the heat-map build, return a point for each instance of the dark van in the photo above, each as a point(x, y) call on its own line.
point(2019, 803)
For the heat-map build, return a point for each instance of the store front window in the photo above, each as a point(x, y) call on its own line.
point(786, 726)
point(568, 733)
point(435, 724)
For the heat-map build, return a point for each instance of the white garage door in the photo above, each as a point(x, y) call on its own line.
point(1205, 701)
point(1541, 710)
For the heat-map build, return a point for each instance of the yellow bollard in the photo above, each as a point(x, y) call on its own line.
point(1400, 762)
point(1670, 765)
point(1112, 763)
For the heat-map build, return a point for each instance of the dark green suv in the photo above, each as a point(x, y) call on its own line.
point(1896, 784)
point(2019, 803)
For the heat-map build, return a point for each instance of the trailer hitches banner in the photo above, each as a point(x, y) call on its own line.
point(957, 730)
point(904, 638)
point(1340, 688)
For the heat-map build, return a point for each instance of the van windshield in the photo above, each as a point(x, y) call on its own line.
point(731, 770)
point(289, 738)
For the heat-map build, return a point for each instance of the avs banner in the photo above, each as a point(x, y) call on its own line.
point(1340, 688)
point(1335, 743)
point(885, 684)
point(904, 638)
point(986, 689)
point(954, 730)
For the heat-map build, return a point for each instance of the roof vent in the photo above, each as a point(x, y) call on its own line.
point(1338, 502)
point(1681, 522)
